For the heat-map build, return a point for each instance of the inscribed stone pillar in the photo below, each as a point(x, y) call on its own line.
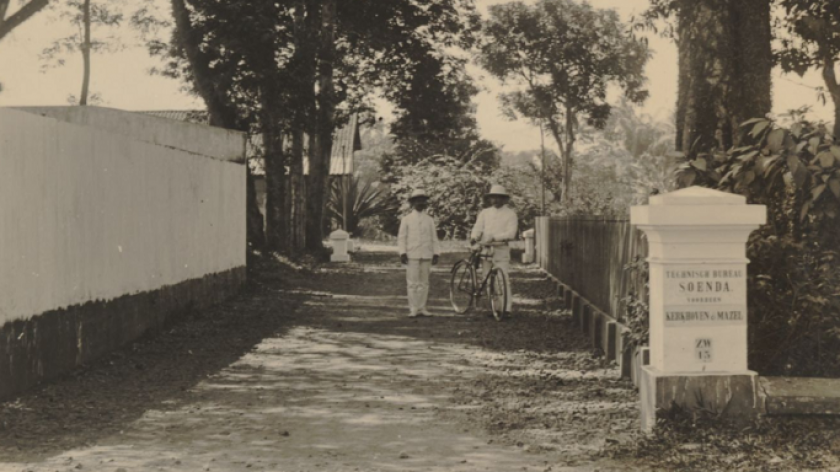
point(698, 301)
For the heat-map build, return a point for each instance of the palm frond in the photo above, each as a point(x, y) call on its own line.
point(363, 201)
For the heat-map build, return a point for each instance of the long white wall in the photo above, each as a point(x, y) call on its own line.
point(218, 143)
point(89, 214)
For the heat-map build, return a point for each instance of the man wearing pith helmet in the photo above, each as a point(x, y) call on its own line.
point(498, 224)
point(419, 250)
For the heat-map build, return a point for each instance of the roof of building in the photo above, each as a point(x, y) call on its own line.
point(191, 116)
point(345, 141)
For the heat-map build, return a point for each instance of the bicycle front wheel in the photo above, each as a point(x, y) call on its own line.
point(497, 292)
point(462, 286)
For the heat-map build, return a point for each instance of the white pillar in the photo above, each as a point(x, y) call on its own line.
point(698, 300)
point(339, 241)
point(528, 255)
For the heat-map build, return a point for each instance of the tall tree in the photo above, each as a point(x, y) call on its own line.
point(196, 64)
point(435, 117)
point(725, 60)
point(373, 46)
point(563, 55)
point(84, 15)
point(319, 157)
point(245, 47)
point(301, 115)
point(83, 95)
point(813, 42)
point(317, 77)
point(9, 22)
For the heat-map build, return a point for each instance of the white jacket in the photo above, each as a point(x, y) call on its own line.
point(500, 224)
point(418, 236)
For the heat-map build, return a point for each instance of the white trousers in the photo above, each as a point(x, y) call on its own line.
point(501, 259)
point(417, 276)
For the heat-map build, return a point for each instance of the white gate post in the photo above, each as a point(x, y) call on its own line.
point(339, 240)
point(698, 301)
point(528, 255)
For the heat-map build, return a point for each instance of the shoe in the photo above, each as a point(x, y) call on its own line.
point(425, 313)
point(413, 314)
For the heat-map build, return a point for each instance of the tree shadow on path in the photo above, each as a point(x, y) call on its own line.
point(322, 371)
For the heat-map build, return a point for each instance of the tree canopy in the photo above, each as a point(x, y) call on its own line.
point(563, 55)
point(8, 22)
point(106, 17)
point(294, 66)
point(813, 42)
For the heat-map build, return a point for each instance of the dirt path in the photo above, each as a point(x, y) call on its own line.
point(340, 380)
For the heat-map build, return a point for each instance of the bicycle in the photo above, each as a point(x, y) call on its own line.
point(464, 290)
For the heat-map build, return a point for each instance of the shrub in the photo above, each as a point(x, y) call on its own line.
point(364, 201)
point(636, 305)
point(794, 274)
point(456, 192)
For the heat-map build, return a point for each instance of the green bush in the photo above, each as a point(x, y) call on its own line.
point(456, 192)
point(794, 273)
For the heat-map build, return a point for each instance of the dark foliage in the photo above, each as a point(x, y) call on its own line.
point(794, 304)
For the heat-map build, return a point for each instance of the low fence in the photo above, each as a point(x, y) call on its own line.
point(588, 257)
point(110, 222)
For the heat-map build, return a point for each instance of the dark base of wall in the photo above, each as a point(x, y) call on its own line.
point(53, 343)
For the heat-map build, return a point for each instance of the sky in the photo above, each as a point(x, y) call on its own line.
point(123, 79)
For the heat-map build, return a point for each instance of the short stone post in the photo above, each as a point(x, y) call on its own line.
point(698, 302)
point(339, 239)
point(528, 255)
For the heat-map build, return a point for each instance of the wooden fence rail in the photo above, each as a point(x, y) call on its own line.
point(590, 255)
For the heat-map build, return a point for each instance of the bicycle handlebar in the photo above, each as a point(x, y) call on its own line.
point(486, 245)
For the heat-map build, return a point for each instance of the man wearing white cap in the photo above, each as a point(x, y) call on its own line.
point(498, 224)
point(419, 251)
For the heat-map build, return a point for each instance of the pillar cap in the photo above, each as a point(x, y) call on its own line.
point(339, 234)
point(697, 196)
point(698, 206)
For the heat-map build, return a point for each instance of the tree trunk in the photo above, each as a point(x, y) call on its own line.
point(705, 73)
point(558, 138)
point(836, 132)
point(833, 87)
point(302, 104)
point(570, 142)
point(297, 187)
point(724, 70)
point(319, 160)
point(753, 34)
point(83, 97)
point(255, 229)
point(275, 170)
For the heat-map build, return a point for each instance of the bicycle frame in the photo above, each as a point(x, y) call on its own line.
point(476, 256)
point(464, 281)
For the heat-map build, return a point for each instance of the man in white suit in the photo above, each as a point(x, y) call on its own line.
point(498, 225)
point(419, 250)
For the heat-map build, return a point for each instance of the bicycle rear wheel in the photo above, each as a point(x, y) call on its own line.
point(462, 286)
point(497, 292)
